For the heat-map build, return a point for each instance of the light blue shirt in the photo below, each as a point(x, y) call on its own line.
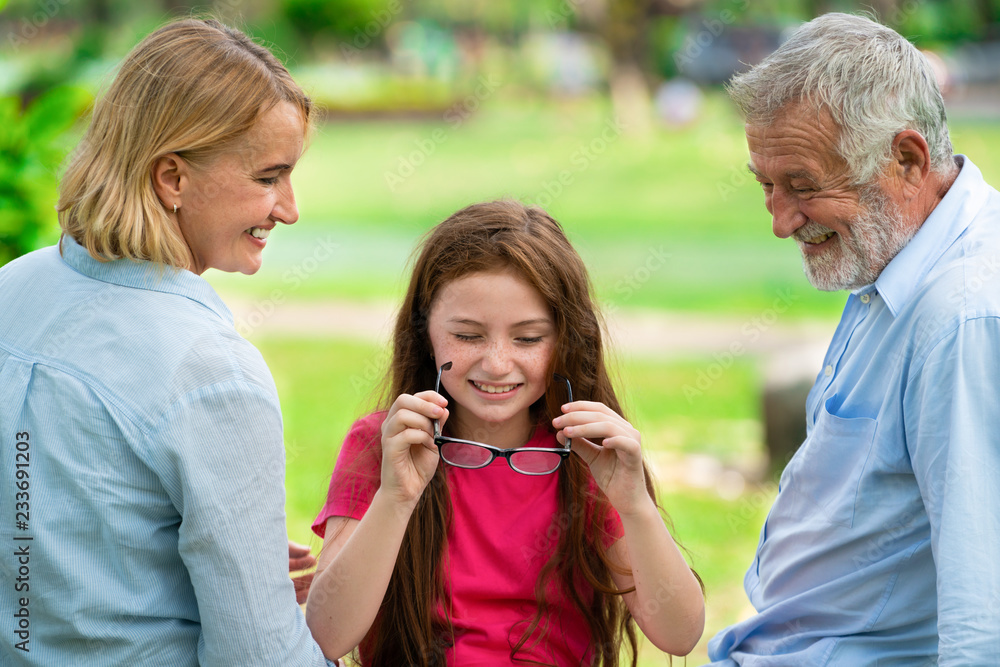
point(142, 489)
point(883, 545)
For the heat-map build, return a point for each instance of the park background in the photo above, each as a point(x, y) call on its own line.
point(609, 113)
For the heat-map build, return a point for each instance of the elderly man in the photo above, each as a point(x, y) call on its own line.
point(883, 545)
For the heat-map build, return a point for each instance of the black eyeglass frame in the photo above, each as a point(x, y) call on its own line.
point(496, 452)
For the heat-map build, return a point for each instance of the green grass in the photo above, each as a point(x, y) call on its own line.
point(627, 202)
point(325, 384)
point(679, 194)
point(684, 194)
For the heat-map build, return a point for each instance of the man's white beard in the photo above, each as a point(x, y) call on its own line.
point(878, 233)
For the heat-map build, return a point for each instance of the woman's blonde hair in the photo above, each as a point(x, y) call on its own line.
point(194, 87)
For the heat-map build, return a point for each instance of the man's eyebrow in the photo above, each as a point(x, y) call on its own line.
point(800, 174)
point(788, 175)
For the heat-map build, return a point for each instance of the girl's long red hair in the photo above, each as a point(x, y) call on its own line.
point(410, 630)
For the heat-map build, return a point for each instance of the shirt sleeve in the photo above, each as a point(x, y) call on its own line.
point(953, 435)
point(220, 454)
point(357, 473)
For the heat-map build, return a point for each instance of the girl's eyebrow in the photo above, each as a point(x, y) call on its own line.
point(523, 323)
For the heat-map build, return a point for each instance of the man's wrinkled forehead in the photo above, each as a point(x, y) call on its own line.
point(799, 142)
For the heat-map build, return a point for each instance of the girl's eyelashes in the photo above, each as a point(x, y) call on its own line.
point(529, 340)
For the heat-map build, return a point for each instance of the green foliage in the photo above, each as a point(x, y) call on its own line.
point(313, 18)
point(31, 150)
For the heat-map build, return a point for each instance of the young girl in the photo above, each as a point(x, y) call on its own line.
point(438, 553)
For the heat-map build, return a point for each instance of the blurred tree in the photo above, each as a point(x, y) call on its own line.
point(31, 151)
point(35, 119)
point(625, 31)
point(358, 22)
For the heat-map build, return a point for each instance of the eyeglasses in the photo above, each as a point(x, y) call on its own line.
point(525, 460)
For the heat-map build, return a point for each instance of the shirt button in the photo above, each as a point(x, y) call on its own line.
point(828, 371)
point(865, 298)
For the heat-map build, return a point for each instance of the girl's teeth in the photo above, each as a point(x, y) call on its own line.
point(259, 232)
point(492, 389)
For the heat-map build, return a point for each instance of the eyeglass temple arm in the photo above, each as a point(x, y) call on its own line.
point(437, 389)
point(569, 387)
point(569, 399)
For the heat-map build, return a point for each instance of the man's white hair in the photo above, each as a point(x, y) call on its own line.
point(872, 81)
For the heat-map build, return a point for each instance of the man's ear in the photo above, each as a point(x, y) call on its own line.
point(911, 161)
point(169, 174)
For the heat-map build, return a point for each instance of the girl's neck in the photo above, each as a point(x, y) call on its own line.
point(510, 434)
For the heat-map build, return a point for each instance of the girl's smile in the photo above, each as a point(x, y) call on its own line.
point(496, 391)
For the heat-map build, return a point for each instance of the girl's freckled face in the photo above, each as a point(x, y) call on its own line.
point(497, 331)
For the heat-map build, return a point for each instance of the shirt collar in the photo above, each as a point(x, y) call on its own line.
point(141, 274)
point(946, 223)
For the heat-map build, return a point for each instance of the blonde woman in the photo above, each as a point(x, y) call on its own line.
point(141, 435)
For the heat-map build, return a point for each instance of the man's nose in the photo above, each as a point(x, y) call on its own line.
point(786, 217)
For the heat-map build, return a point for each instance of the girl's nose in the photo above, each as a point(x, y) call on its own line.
point(497, 360)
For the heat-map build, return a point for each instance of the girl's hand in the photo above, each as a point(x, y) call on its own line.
point(409, 455)
point(610, 446)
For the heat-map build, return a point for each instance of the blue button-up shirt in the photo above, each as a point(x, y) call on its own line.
point(883, 545)
point(142, 485)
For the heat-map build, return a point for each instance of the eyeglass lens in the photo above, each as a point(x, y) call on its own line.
point(465, 456)
point(533, 462)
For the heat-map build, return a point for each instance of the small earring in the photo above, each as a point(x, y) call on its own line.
point(175, 208)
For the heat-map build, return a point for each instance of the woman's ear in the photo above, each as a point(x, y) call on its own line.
point(169, 175)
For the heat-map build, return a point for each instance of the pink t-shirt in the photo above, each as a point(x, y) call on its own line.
point(504, 528)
